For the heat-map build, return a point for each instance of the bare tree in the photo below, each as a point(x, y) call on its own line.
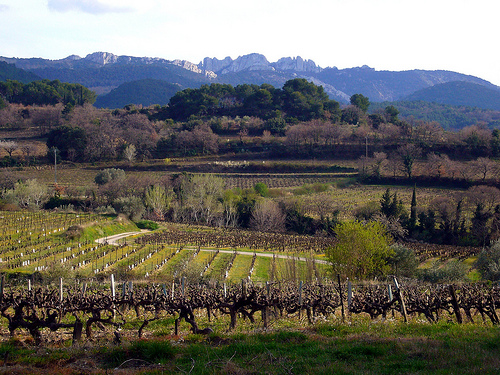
point(487, 196)
point(485, 167)
point(436, 164)
point(323, 206)
point(28, 150)
point(129, 153)
point(29, 194)
point(201, 138)
point(9, 147)
point(267, 216)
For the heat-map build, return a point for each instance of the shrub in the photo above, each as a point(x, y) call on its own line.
point(403, 261)
point(109, 174)
point(261, 189)
point(361, 251)
point(488, 262)
point(130, 206)
point(367, 211)
point(147, 224)
point(74, 232)
point(105, 210)
point(452, 270)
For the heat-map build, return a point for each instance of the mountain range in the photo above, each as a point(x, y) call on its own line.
point(149, 80)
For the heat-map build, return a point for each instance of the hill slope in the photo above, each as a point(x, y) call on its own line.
point(460, 94)
point(449, 116)
point(146, 92)
point(10, 71)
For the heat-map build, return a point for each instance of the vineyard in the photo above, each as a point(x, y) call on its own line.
point(62, 288)
point(78, 310)
point(40, 242)
point(182, 271)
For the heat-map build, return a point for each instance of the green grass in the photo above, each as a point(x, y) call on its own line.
point(108, 228)
point(360, 346)
point(408, 349)
point(240, 268)
point(261, 269)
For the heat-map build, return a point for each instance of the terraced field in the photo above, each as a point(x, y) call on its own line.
point(39, 242)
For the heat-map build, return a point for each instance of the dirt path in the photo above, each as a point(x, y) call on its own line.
point(113, 240)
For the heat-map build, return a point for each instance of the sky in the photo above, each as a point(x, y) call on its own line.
point(455, 35)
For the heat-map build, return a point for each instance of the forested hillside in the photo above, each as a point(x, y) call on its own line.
point(9, 71)
point(459, 94)
point(145, 92)
point(450, 117)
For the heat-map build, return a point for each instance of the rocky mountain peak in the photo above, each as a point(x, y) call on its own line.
point(102, 58)
point(253, 61)
point(297, 64)
point(256, 62)
point(194, 68)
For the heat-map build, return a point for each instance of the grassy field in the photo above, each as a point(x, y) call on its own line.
point(361, 347)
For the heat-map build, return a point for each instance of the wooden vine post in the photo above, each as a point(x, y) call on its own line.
point(2, 286)
point(454, 302)
point(341, 298)
point(399, 294)
point(300, 298)
point(265, 311)
point(61, 290)
point(349, 296)
point(389, 292)
point(113, 294)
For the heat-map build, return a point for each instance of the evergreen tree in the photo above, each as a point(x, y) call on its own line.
point(413, 211)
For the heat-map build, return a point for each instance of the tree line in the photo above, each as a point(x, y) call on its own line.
point(298, 120)
point(46, 92)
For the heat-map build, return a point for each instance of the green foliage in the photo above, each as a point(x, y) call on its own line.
point(157, 199)
point(11, 72)
point(130, 206)
point(403, 261)
point(46, 92)
point(108, 175)
point(360, 101)
point(146, 92)
point(307, 189)
point(152, 351)
point(392, 112)
point(70, 141)
point(261, 189)
point(276, 124)
point(351, 115)
point(299, 99)
point(362, 250)
point(460, 93)
point(304, 100)
point(450, 271)
point(488, 262)
point(390, 206)
point(147, 224)
point(450, 117)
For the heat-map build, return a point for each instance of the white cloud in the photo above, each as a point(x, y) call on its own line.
point(4, 8)
point(89, 6)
